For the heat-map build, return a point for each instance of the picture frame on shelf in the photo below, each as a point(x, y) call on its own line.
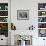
point(22, 14)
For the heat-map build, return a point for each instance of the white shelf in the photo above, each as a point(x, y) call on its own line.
point(3, 10)
point(41, 10)
point(41, 28)
point(41, 22)
point(3, 16)
point(3, 22)
point(42, 16)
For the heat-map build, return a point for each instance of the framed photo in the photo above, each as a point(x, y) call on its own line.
point(22, 14)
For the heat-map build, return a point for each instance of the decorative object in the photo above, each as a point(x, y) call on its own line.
point(0, 7)
point(22, 43)
point(6, 7)
point(23, 40)
point(3, 13)
point(31, 27)
point(43, 13)
point(3, 6)
point(41, 25)
point(13, 27)
point(42, 32)
point(26, 38)
point(4, 29)
point(22, 14)
point(41, 19)
point(3, 19)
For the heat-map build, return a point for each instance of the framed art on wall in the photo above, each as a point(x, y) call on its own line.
point(22, 14)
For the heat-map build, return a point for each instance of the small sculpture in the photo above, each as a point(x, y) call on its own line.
point(31, 27)
point(13, 27)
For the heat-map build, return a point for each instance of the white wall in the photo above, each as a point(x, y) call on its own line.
point(32, 6)
point(24, 5)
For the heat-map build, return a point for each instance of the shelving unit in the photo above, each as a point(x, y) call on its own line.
point(42, 19)
point(4, 19)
